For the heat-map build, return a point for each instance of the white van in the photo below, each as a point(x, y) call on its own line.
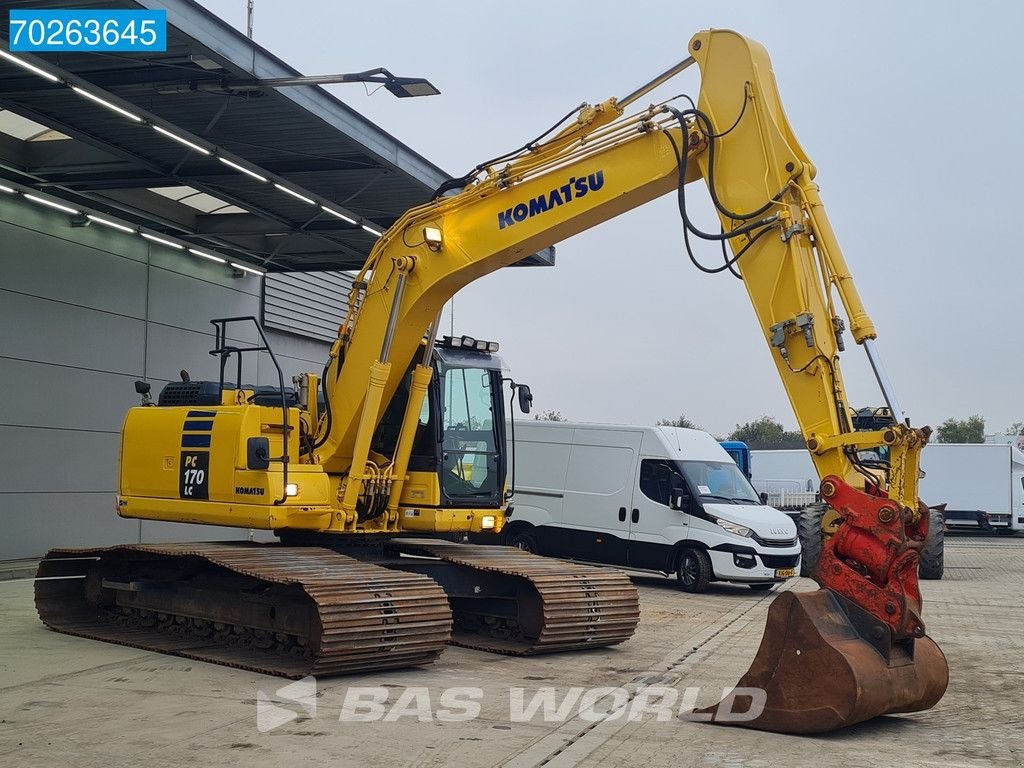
point(655, 498)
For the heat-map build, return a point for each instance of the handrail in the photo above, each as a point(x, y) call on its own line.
point(224, 351)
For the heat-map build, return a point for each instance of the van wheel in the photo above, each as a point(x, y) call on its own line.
point(693, 570)
point(762, 587)
point(932, 564)
point(524, 541)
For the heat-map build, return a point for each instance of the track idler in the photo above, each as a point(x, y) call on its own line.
point(855, 649)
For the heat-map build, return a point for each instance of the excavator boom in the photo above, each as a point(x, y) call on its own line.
point(853, 650)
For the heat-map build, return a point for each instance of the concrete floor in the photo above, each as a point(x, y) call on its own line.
point(69, 701)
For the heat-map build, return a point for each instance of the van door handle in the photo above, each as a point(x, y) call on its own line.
point(622, 514)
point(636, 515)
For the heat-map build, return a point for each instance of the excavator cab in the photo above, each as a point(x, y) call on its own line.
point(458, 456)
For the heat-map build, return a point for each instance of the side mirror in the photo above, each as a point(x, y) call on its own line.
point(677, 500)
point(525, 397)
point(764, 497)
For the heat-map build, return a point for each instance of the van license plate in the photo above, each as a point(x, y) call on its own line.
point(784, 573)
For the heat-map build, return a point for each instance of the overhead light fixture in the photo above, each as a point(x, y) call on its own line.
point(209, 256)
point(371, 230)
point(242, 168)
point(168, 243)
point(181, 140)
point(30, 67)
point(340, 215)
point(104, 103)
point(8, 190)
point(402, 87)
point(295, 194)
point(111, 224)
point(406, 87)
point(52, 204)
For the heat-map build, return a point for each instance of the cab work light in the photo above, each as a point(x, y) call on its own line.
point(468, 342)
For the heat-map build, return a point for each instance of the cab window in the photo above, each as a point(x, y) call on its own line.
point(658, 478)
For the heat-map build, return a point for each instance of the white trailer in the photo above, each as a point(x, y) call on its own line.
point(981, 484)
point(787, 477)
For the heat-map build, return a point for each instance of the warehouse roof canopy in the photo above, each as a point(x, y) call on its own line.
point(300, 138)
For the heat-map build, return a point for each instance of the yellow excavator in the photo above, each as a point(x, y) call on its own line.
point(369, 471)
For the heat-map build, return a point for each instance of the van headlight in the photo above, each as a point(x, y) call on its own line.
point(734, 528)
point(487, 521)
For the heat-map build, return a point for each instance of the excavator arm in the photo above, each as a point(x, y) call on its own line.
point(738, 140)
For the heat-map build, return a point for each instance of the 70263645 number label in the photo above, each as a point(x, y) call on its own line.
point(88, 30)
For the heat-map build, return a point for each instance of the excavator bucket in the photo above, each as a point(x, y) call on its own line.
point(825, 664)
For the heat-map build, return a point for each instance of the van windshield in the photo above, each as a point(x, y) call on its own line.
point(719, 480)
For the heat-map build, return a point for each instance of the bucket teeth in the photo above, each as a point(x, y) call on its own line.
point(825, 664)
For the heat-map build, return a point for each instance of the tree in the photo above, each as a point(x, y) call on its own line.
point(681, 421)
point(969, 430)
point(549, 416)
point(766, 433)
point(1016, 428)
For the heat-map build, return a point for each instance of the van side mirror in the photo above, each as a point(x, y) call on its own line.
point(677, 499)
point(525, 397)
point(764, 497)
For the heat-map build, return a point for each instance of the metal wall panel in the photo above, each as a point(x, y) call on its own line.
point(36, 522)
point(311, 304)
point(83, 313)
point(57, 397)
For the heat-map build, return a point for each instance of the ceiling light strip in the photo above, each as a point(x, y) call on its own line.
point(182, 140)
point(242, 168)
point(85, 93)
point(30, 67)
point(162, 241)
point(104, 103)
point(127, 229)
point(294, 194)
point(209, 256)
point(51, 204)
point(112, 224)
point(247, 269)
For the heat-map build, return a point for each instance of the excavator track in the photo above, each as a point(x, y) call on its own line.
point(288, 611)
point(508, 601)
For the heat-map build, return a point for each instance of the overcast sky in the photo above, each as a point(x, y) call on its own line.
point(910, 110)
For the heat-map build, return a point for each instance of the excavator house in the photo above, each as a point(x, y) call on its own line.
point(371, 471)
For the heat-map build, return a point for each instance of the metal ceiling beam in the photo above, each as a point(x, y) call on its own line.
point(247, 224)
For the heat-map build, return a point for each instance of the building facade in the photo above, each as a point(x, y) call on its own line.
point(84, 313)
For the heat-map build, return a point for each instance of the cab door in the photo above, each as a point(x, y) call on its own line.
point(655, 528)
